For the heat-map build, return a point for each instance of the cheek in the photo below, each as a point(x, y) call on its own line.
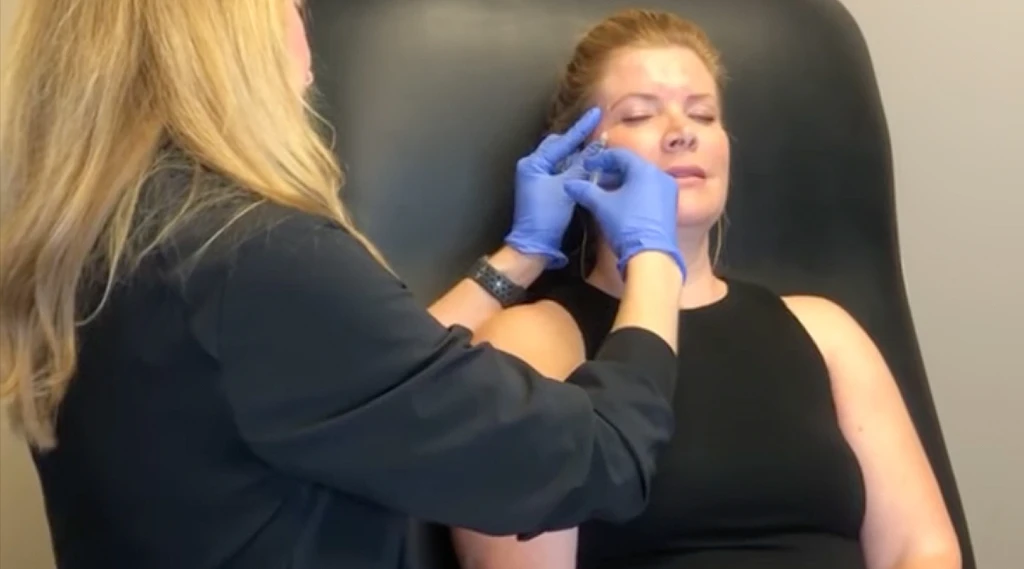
point(643, 140)
point(718, 149)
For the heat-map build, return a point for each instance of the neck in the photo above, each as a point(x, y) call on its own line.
point(701, 287)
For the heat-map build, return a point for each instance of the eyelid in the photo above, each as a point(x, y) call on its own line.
point(704, 112)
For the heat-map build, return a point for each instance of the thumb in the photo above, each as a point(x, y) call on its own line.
point(583, 192)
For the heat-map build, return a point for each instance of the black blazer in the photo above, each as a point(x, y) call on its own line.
point(282, 401)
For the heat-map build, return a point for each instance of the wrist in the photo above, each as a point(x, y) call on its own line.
point(660, 265)
point(520, 268)
point(648, 248)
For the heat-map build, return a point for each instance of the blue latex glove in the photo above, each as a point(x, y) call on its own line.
point(543, 209)
point(640, 215)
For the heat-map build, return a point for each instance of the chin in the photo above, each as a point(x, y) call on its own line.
point(696, 223)
point(694, 215)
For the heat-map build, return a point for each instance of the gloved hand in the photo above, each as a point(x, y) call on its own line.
point(640, 215)
point(543, 209)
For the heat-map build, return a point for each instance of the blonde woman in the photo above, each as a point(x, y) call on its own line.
point(793, 448)
point(214, 368)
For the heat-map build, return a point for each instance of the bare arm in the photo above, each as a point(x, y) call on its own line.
point(651, 296)
point(546, 337)
point(906, 525)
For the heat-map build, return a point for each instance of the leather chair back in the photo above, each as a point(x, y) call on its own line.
point(434, 101)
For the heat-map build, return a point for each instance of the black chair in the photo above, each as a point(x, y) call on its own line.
point(434, 101)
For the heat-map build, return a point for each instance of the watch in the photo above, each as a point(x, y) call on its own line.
point(506, 292)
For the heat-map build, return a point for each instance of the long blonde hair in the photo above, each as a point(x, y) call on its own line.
point(94, 91)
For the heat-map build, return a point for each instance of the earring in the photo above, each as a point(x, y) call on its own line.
point(583, 252)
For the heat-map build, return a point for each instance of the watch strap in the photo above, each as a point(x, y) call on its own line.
point(496, 283)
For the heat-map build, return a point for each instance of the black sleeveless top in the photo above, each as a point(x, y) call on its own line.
point(758, 475)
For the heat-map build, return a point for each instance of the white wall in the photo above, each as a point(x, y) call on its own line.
point(951, 74)
point(952, 79)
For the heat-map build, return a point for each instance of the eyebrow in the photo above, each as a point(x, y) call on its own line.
point(653, 97)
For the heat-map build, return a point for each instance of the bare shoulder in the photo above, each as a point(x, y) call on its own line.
point(541, 333)
point(831, 327)
point(853, 359)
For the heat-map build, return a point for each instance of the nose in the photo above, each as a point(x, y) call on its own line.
point(680, 136)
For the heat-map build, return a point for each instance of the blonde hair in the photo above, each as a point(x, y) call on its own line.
point(630, 28)
point(94, 93)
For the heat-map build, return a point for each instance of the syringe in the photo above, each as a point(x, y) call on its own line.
point(602, 142)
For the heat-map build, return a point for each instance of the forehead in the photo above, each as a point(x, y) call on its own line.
point(655, 69)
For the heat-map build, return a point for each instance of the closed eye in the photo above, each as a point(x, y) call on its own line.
point(704, 113)
point(635, 119)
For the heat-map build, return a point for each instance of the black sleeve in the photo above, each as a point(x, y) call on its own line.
point(337, 375)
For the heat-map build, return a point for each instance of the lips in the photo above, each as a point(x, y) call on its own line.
point(686, 172)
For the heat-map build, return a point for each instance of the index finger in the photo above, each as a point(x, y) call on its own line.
point(561, 147)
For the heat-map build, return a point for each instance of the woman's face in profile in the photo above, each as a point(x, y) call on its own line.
point(298, 44)
point(663, 104)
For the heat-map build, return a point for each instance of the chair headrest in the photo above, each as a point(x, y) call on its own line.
point(435, 101)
